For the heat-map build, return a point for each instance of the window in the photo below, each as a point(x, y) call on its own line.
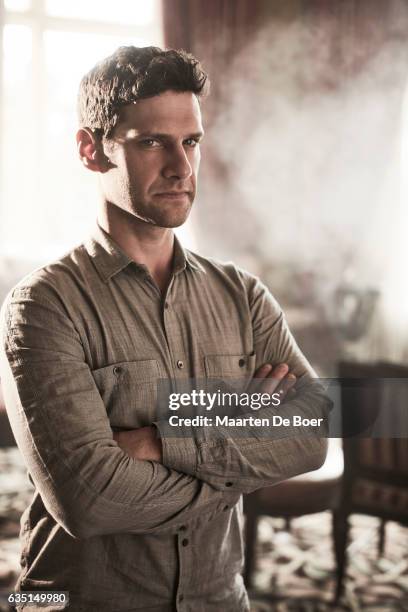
point(48, 200)
point(136, 12)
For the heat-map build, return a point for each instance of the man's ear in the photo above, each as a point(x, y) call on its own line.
point(90, 151)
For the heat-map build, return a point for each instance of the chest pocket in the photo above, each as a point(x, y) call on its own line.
point(235, 370)
point(129, 392)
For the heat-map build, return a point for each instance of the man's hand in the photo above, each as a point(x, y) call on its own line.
point(143, 443)
point(268, 379)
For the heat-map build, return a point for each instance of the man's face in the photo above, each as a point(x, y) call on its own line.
point(155, 158)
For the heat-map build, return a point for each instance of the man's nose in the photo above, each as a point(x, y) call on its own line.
point(177, 164)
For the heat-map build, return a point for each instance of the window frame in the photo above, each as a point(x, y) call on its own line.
point(39, 22)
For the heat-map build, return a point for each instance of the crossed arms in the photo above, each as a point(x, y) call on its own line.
point(88, 483)
point(145, 444)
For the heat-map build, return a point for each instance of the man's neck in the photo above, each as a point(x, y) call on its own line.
point(146, 244)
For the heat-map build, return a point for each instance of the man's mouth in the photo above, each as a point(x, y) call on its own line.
point(173, 194)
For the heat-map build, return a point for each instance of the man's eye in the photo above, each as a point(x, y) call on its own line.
point(150, 142)
point(191, 142)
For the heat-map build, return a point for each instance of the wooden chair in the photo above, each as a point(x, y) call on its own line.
point(375, 480)
point(375, 477)
point(305, 494)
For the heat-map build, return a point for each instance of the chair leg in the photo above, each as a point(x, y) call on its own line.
point(251, 528)
point(381, 538)
point(340, 537)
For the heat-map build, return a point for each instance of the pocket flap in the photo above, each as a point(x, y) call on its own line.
point(127, 372)
point(237, 366)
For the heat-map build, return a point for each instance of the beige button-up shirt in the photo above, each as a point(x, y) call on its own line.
point(84, 342)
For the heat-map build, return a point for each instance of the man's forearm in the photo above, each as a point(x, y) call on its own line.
point(231, 461)
point(143, 443)
point(227, 459)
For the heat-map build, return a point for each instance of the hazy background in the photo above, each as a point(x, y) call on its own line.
point(303, 163)
point(304, 170)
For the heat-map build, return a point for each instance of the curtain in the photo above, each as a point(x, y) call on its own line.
point(194, 24)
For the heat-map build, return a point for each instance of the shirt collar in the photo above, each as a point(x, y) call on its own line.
point(109, 259)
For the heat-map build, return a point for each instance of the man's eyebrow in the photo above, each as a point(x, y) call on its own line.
point(162, 136)
point(197, 135)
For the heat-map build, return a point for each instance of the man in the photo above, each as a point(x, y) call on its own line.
point(127, 515)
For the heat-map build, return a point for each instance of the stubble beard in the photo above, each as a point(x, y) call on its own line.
point(162, 214)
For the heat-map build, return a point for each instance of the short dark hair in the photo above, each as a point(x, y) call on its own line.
point(131, 74)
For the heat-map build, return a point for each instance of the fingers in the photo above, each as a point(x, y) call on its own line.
point(263, 371)
point(259, 376)
point(285, 388)
point(269, 379)
point(274, 378)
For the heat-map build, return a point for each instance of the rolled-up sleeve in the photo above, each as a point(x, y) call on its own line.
point(87, 483)
point(243, 460)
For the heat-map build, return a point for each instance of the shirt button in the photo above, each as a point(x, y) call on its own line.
point(225, 508)
point(166, 305)
point(228, 484)
point(181, 597)
point(185, 542)
point(182, 528)
point(180, 364)
point(117, 370)
point(241, 363)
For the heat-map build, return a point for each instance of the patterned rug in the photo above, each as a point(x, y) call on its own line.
point(295, 570)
